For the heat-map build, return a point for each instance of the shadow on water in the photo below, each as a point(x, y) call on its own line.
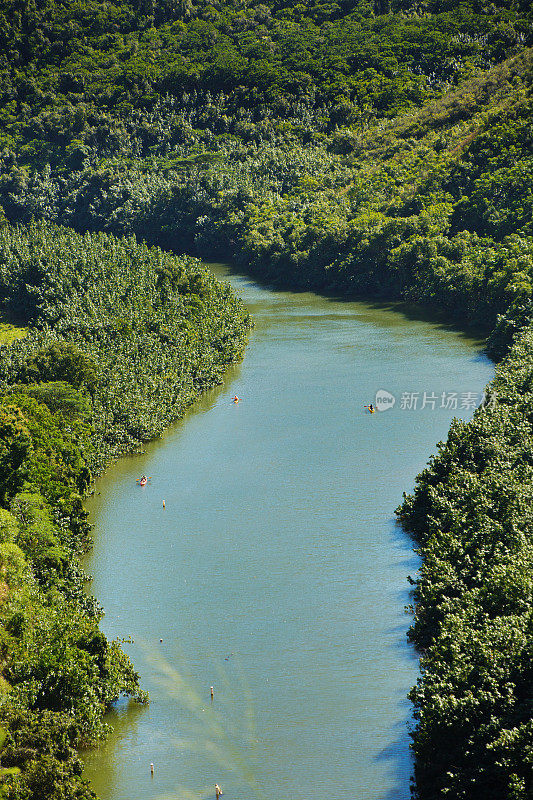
point(408, 310)
point(419, 313)
point(124, 719)
point(398, 759)
point(396, 754)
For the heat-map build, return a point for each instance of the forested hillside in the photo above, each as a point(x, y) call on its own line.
point(386, 154)
point(369, 149)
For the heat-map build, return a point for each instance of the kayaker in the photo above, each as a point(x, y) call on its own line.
point(371, 408)
point(236, 399)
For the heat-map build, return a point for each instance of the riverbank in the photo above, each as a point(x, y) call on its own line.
point(471, 516)
point(120, 340)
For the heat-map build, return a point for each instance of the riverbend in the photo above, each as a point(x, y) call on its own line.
point(275, 573)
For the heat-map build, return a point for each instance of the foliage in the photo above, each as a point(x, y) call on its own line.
point(43, 746)
point(4, 771)
point(8, 333)
point(120, 339)
point(471, 514)
point(15, 443)
point(350, 58)
point(433, 206)
point(136, 332)
point(61, 361)
point(374, 149)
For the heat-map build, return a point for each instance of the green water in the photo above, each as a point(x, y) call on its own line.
point(276, 573)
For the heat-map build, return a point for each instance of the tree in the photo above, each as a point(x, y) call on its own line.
point(15, 444)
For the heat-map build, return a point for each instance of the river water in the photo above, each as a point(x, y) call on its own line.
point(276, 572)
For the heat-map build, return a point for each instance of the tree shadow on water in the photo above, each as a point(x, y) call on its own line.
point(398, 758)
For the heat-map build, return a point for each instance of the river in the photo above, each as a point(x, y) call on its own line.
point(276, 572)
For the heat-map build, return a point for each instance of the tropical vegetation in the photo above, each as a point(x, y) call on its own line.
point(370, 149)
point(119, 340)
point(471, 516)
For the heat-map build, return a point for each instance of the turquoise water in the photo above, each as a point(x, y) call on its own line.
point(276, 572)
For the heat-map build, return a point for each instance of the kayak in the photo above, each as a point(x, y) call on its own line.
point(143, 481)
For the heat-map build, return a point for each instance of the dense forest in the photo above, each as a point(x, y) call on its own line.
point(339, 149)
point(369, 149)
